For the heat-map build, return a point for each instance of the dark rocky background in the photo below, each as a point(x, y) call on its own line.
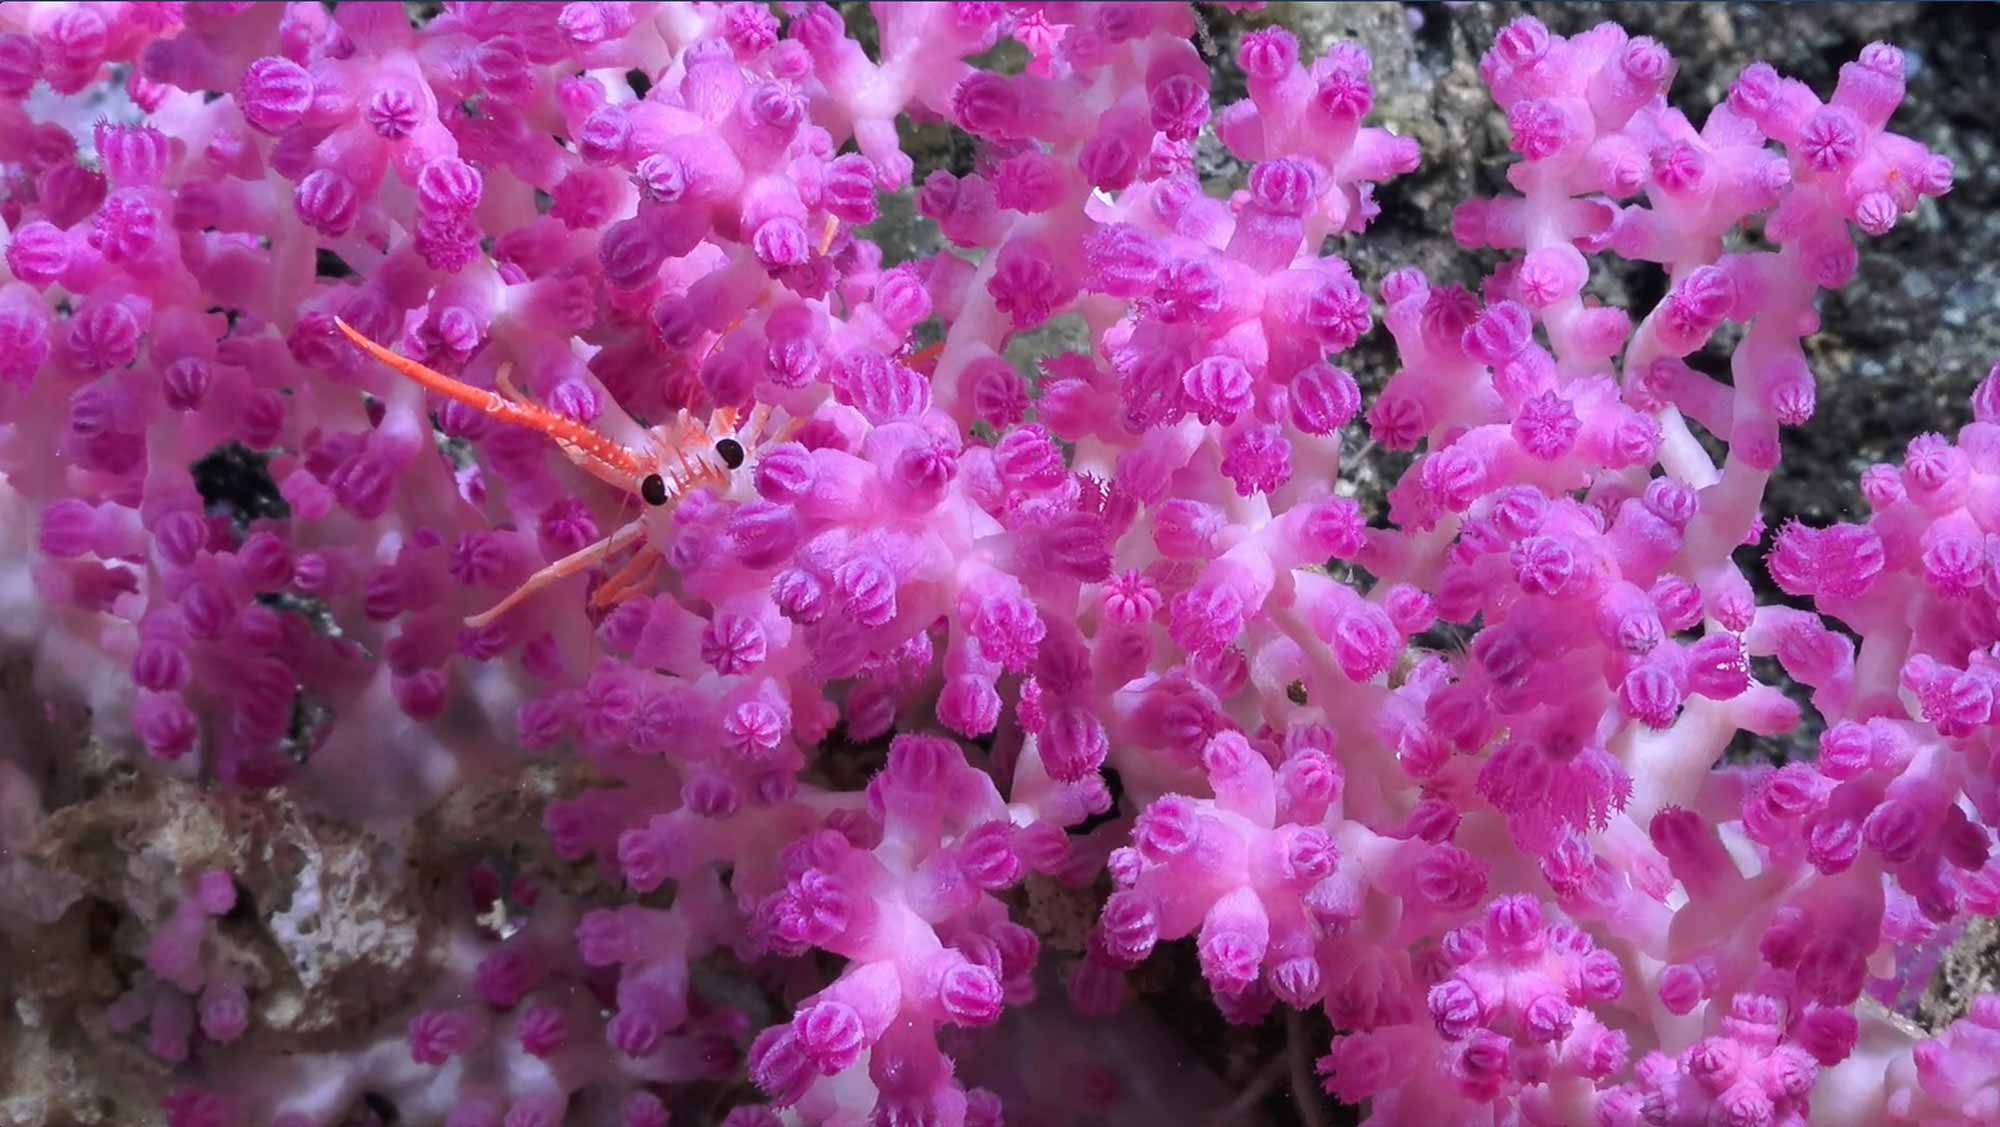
point(1902, 345)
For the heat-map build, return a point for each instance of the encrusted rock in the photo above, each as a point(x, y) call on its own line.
point(1970, 967)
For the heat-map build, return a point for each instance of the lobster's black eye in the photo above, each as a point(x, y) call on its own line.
point(653, 489)
point(730, 451)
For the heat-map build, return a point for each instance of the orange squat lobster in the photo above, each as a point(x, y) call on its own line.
point(682, 456)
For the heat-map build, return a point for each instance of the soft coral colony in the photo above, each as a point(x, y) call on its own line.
point(659, 474)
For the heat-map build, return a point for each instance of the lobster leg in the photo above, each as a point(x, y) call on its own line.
point(629, 578)
point(504, 380)
point(575, 563)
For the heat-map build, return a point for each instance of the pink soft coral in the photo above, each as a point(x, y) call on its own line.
point(367, 278)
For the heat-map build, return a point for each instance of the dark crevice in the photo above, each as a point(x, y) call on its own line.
point(376, 1110)
point(1116, 785)
point(235, 482)
point(327, 264)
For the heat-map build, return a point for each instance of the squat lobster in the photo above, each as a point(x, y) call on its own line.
point(684, 455)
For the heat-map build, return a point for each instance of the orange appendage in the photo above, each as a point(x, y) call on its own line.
point(626, 582)
point(572, 436)
point(689, 474)
point(925, 361)
point(576, 563)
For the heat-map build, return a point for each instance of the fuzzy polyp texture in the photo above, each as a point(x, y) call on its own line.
point(853, 624)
